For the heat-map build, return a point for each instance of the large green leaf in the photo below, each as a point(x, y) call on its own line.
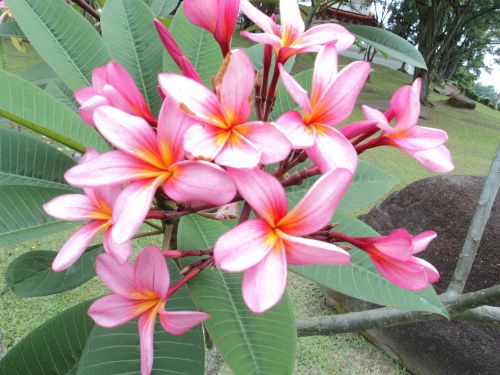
point(59, 90)
point(39, 74)
point(21, 214)
point(28, 161)
point(131, 38)
point(163, 8)
point(116, 351)
point(249, 343)
point(10, 29)
point(198, 45)
point(53, 348)
point(62, 37)
point(369, 184)
point(360, 279)
point(390, 43)
point(32, 107)
point(31, 275)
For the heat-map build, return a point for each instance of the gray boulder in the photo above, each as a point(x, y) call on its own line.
point(460, 101)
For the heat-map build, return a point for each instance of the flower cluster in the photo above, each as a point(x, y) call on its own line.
point(212, 147)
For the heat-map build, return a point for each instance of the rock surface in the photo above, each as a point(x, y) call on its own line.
point(445, 204)
point(460, 101)
point(447, 90)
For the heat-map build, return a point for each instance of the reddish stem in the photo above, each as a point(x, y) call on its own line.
point(269, 100)
point(176, 254)
point(370, 144)
point(245, 213)
point(156, 214)
point(195, 271)
point(364, 136)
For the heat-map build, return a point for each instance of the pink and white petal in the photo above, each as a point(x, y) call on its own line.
point(99, 78)
point(203, 13)
point(151, 272)
point(89, 155)
point(172, 126)
point(296, 91)
point(325, 71)
point(421, 241)
point(111, 168)
point(264, 284)
point(118, 277)
point(226, 21)
point(326, 34)
point(264, 22)
point(355, 129)
point(76, 245)
point(128, 133)
point(236, 86)
point(71, 207)
point(199, 181)
point(420, 138)
point(238, 152)
point(316, 208)
point(299, 135)
point(146, 325)
point(417, 86)
point(121, 252)
point(405, 106)
point(332, 150)
point(304, 251)
point(132, 207)
point(375, 115)
point(273, 144)
point(436, 159)
point(397, 245)
point(291, 20)
point(114, 310)
point(263, 192)
point(119, 78)
point(194, 98)
point(263, 38)
point(104, 195)
point(339, 98)
point(179, 322)
point(85, 94)
point(244, 246)
point(88, 108)
point(205, 141)
point(430, 271)
point(406, 275)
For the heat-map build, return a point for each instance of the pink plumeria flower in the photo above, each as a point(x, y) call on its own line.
point(291, 38)
point(263, 247)
point(424, 144)
point(333, 96)
point(393, 257)
point(148, 160)
point(175, 52)
point(112, 86)
point(221, 132)
point(6, 12)
point(216, 16)
point(96, 205)
point(140, 290)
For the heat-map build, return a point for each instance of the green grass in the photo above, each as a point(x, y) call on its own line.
point(474, 136)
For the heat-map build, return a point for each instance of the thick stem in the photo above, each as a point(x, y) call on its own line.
point(167, 238)
point(476, 228)
point(86, 7)
point(269, 99)
point(189, 276)
point(245, 213)
point(148, 234)
point(176, 254)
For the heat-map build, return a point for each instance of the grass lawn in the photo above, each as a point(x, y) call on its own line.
point(473, 138)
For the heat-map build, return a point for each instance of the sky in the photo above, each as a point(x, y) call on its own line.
point(493, 78)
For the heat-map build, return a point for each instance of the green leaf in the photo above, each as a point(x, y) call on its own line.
point(53, 348)
point(116, 351)
point(369, 184)
point(198, 45)
point(28, 161)
point(62, 37)
point(31, 275)
point(361, 279)
point(32, 107)
point(389, 43)
point(63, 93)
point(21, 214)
point(129, 33)
point(163, 8)
point(39, 74)
point(9, 29)
point(249, 343)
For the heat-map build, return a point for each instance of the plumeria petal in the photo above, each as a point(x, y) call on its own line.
point(128, 133)
point(407, 275)
point(262, 191)
point(265, 137)
point(119, 278)
point(72, 207)
point(264, 22)
point(205, 141)
point(304, 251)
point(436, 159)
point(151, 272)
point(244, 246)
point(132, 207)
point(397, 245)
point(203, 13)
point(325, 71)
point(326, 34)
point(146, 325)
point(199, 181)
point(405, 106)
point(430, 271)
point(77, 244)
point(420, 138)
point(114, 310)
point(121, 252)
point(263, 38)
point(379, 118)
point(179, 322)
point(316, 208)
point(88, 108)
point(355, 129)
point(239, 152)
point(296, 91)
point(331, 150)
point(422, 240)
point(299, 134)
point(264, 284)
point(292, 24)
